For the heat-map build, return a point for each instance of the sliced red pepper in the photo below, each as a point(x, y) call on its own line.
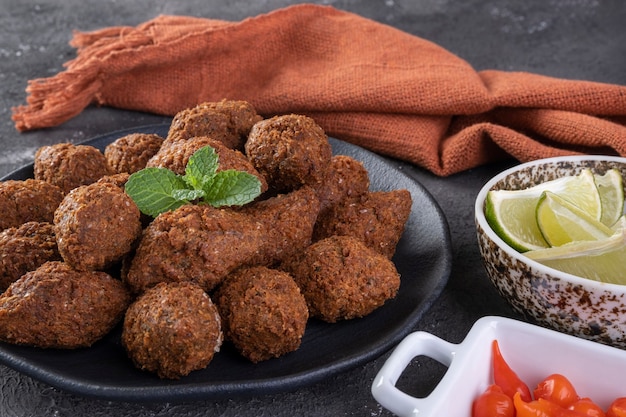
point(587, 408)
point(493, 403)
point(557, 389)
point(617, 408)
point(506, 378)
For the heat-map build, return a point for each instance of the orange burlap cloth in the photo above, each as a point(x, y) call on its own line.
point(364, 82)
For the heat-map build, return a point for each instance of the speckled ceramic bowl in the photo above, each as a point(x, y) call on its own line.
point(554, 299)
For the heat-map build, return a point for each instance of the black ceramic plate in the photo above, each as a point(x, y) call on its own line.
point(423, 258)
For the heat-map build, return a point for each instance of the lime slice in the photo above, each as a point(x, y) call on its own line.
point(511, 213)
point(601, 260)
point(611, 190)
point(561, 222)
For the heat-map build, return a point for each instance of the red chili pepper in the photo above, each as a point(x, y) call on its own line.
point(617, 408)
point(493, 403)
point(506, 378)
point(587, 408)
point(558, 389)
point(541, 408)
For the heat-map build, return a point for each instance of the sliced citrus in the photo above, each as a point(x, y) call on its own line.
point(561, 222)
point(511, 213)
point(611, 190)
point(602, 260)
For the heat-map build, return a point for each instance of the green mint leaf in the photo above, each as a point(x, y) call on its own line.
point(187, 194)
point(201, 167)
point(231, 188)
point(152, 189)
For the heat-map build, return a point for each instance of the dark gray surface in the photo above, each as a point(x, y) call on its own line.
point(577, 39)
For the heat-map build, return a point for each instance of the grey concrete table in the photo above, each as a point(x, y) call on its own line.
point(577, 39)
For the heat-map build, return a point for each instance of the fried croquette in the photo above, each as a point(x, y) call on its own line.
point(377, 218)
point(203, 244)
point(27, 201)
point(24, 249)
point(228, 121)
point(68, 166)
point(172, 329)
point(342, 279)
point(56, 306)
point(96, 225)
point(175, 155)
point(346, 178)
point(263, 312)
point(131, 153)
point(289, 151)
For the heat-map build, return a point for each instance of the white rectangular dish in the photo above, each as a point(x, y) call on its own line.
point(597, 371)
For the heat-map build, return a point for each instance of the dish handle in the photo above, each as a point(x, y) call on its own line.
point(384, 385)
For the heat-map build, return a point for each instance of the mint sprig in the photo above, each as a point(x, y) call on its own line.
point(157, 190)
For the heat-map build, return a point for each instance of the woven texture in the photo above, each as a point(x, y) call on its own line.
point(364, 82)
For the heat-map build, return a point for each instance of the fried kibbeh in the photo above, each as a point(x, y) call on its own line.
point(341, 278)
point(346, 178)
point(289, 151)
point(28, 200)
point(24, 249)
point(288, 221)
point(56, 306)
point(376, 217)
point(68, 166)
point(263, 312)
point(203, 244)
point(172, 329)
point(130, 153)
point(96, 225)
point(175, 155)
point(228, 121)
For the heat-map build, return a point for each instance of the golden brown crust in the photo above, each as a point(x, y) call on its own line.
point(131, 153)
point(26, 201)
point(172, 329)
point(342, 279)
point(289, 151)
point(24, 249)
point(377, 218)
point(96, 225)
point(68, 166)
point(56, 306)
point(263, 312)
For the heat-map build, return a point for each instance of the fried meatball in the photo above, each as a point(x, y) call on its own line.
point(175, 155)
point(172, 329)
point(24, 249)
point(263, 312)
point(197, 243)
point(68, 166)
point(289, 151)
point(119, 180)
point(342, 279)
point(377, 218)
point(346, 178)
point(26, 201)
point(96, 225)
point(288, 221)
point(131, 153)
point(56, 306)
point(203, 244)
point(228, 121)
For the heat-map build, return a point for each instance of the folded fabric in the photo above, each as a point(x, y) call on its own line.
point(364, 82)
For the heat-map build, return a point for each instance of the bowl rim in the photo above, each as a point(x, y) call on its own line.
point(480, 218)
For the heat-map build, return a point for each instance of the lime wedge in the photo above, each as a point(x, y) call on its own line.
point(601, 260)
point(611, 190)
point(561, 222)
point(511, 213)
